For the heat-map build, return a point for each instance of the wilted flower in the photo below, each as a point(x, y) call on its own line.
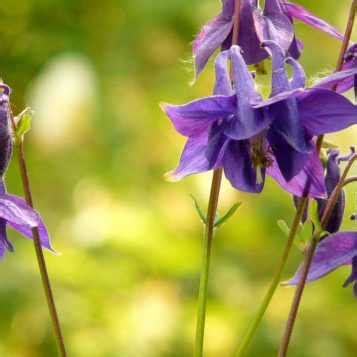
point(14, 211)
point(237, 130)
point(274, 23)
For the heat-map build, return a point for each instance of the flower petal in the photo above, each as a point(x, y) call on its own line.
point(334, 251)
point(247, 122)
point(289, 160)
point(340, 81)
point(20, 216)
point(274, 26)
point(300, 13)
point(298, 79)
point(193, 159)
point(209, 40)
point(239, 169)
point(223, 83)
point(195, 117)
point(323, 111)
point(309, 181)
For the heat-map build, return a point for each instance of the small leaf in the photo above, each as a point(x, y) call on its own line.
point(229, 214)
point(198, 209)
point(23, 121)
point(283, 227)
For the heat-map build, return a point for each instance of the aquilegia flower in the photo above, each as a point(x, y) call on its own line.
point(235, 129)
point(274, 23)
point(14, 211)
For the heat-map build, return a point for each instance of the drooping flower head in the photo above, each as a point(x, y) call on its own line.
point(237, 130)
point(274, 23)
point(339, 248)
point(14, 211)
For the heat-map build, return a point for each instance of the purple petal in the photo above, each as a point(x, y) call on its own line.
point(239, 169)
point(248, 39)
point(323, 111)
point(280, 82)
point(275, 27)
point(298, 79)
point(340, 81)
point(300, 13)
point(272, 6)
point(193, 159)
point(309, 181)
point(296, 48)
point(195, 117)
point(289, 160)
point(247, 122)
point(336, 250)
point(20, 216)
point(209, 40)
point(278, 98)
point(223, 84)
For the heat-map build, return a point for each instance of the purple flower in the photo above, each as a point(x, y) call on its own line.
point(336, 250)
point(235, 129)
point(14, 211)
point(274, 23)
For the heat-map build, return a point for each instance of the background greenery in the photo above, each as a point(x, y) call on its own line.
point(126, 281)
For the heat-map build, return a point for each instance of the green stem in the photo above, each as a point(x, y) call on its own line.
point(206, 259)
point(38, 249)
point(244, 344)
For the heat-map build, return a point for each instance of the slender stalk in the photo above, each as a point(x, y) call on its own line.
point(243, 346)
point(206, 259)
point(209, 229)
point(309, 257)
point(38, 249)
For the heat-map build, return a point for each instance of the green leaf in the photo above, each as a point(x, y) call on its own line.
point(283, 227)
point(23, 121)
point(198, 209)
point(228, 215)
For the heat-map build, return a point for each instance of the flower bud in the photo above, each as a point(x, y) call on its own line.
point(332, 178)
point(5, 132)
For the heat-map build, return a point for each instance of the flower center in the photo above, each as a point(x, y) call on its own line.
point(258, 152)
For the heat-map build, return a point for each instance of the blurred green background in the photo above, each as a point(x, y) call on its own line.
point(126, 281)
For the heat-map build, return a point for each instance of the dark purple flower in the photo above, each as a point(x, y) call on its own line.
point(274, 23)
point(336, 250)
point(14, 211)
point(248, 137)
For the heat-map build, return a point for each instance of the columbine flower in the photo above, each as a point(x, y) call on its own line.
point(274, 23)
point(336, 250)
point(14, 211)
point(237, 130)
